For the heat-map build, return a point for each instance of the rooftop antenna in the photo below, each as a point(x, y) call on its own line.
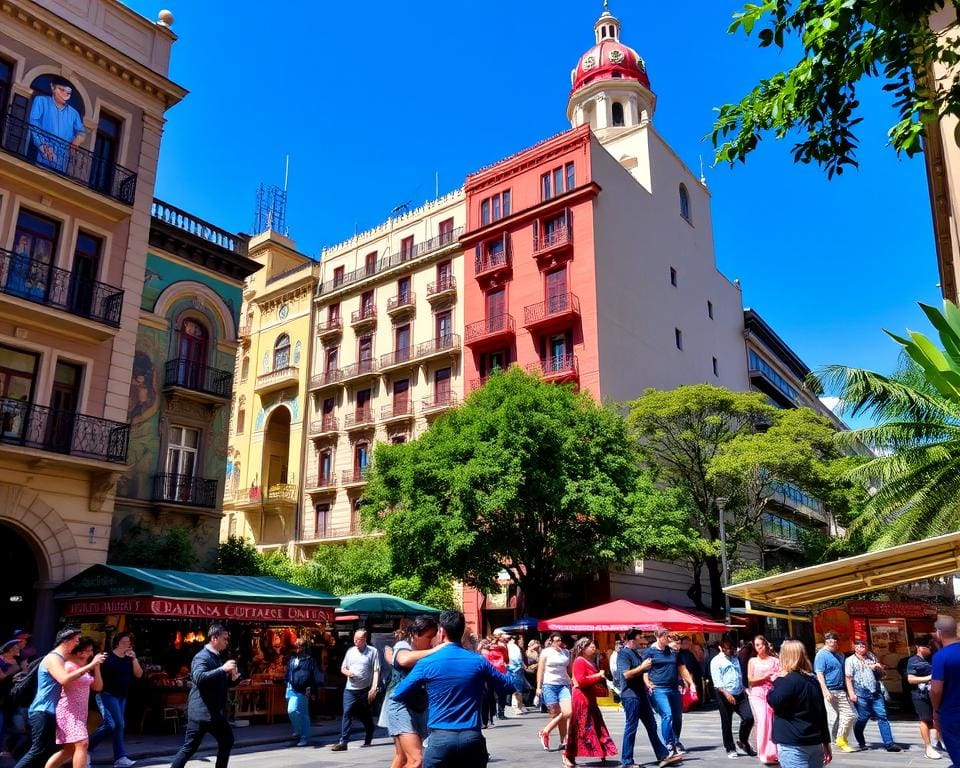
point(703, 178)
point(402, 208)
point(286, 174)
point(271, 210)
point(436, 184)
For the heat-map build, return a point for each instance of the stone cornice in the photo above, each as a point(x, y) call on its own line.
point(94, 52)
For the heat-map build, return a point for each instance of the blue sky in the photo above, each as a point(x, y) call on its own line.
point(371, 99)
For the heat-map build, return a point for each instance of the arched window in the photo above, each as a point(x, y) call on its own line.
point(684, 203)
point(617, 112)
point(244, 367)
point(281, 353)
point(191, 353)
point(241, 415)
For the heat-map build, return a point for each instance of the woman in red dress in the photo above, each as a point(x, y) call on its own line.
point(587, 734)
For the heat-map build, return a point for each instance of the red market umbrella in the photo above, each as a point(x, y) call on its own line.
point(622, 615)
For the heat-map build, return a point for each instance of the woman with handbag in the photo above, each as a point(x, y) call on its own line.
point(587, 734)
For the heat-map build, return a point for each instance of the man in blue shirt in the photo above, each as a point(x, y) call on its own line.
point(58, 127)
point(945, 687)
point(731, 697)
point(828, 664)
point(454, 679)
point(663, 682)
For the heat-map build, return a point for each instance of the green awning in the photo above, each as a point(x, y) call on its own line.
point(114, 589)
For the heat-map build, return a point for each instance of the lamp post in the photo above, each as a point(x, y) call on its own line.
point(721, 505)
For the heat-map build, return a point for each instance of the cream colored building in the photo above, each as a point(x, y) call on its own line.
point(264, 493)
point(76, 186)
point(389, 315)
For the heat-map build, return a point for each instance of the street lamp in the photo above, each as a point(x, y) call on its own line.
point(721, 505)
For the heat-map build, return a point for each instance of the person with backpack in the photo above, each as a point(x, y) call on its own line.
point(48, 676)
point(302, 676)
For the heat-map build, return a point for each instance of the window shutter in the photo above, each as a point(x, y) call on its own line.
point(568, 220)
point(536, 233)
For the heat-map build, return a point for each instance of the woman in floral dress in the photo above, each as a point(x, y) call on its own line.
point(74, 705)
point(587, 734)
point(762, 670)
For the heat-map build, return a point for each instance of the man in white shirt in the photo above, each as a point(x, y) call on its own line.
point(361, 667)
point(515, 671)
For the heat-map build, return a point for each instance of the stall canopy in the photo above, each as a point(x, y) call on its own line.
point(380, 603)
point(112, 589)
point(621, 615)
point(523, 624)
point(883, 569)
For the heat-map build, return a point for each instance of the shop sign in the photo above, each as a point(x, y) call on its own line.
point(197, 609)
point(886, 609)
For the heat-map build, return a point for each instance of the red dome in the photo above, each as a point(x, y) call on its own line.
point(608, 60)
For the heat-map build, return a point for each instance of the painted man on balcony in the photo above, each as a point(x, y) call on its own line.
point(57, 127)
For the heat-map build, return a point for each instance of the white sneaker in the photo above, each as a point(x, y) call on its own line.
point(933, 754)
point(123, 762)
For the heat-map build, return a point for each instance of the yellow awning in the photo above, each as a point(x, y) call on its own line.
point(882, 569)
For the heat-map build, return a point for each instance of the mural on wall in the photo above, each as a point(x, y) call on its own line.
point(161, 273)
point(56, 123)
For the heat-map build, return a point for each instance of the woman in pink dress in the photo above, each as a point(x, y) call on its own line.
point(74, 704)
point(762, 670)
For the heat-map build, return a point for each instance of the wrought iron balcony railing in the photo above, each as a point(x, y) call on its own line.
point(362, 368)
point(397, 357)
point(491, 326)
point(354, 476)
point(363, 315)
point(397, 410)
point(491, 262)
point(185, 489)
point(324, 481)
point(324, 425)
point(439, 402)
point(336, 531)
point(330, 327)
point(449, 343)
point(46, 150)
point(442, 287)
point(36, 426)
point(326, 379)
point(361, 417)
point(558, 305)
point(403, 302)
point(198, 377)
point(556, 367)
point(546, 241)
point(51, 286)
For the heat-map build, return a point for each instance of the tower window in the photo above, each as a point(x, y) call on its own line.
point(710, 309)
point(617, 112)
point(716, 367)
point(678, 337)
point(684, 203)
point(673, 277)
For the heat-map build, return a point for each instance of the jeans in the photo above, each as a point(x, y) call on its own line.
point(668, 704)
point(870, 703)
point(636, 709)
point(455, 749)
point(43, 740)
point(112, 709)
point(221, 731)
point(356, 706)
point(298, 707)
point(800, 755)
point(741, 706)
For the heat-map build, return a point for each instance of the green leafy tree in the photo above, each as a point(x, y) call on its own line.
point(843, 42)
point(709, 443)
point(916, 435)
point(526, 477)
point(237, 556)
point(144, 547)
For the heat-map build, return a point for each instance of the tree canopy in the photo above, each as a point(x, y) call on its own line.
point(710, 443)
point(917, 435)
point(843, 42)
point(526, 477)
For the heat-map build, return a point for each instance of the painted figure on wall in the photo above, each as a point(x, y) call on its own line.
point(143, 388)
point(56, 126)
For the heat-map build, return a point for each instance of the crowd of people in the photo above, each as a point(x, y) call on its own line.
point(440, 688)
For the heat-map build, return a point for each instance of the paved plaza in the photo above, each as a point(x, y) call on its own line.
point(511, 743)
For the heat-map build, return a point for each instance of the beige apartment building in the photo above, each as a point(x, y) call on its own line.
point(387, 358)
point(83, 91)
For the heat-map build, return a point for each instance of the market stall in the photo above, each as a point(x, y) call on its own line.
point(169, 613)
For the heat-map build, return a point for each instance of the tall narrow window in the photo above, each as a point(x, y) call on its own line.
point(673, 277)
point(333, 313)
point(444, 275)
point(441, 386)
point(365, 352)
point(571, 176)
point(444, 327)
point(332, 360)
point(496, 207)
point(496, 308)
point(506, 202)
point(485, 212)
point(34, 249)
point(191, 354)
point(558, 181)
point(241, 415)
point(370, 263)
point(402, 343)
point(183, 446)
point(445, 231)
point(86, 270)
point(616, 112)
point(403, 291)
point(406, 248)
point(337, 276)
point(245, 368)
point(678, 338)
point(684, 203)
point(710, 309)
point(401, 397)
point(366, 304)
point(281, 353)
point(106, 152)
point(545, 187)
point(6, 81)
point(321, 515)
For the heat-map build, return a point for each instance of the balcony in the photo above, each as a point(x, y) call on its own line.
point(443, 346)
point(198, 380)
point(398, 360)
point(333, 532)
point(556, 313)
point(329, 329)
point(278, 379)
point(326, 426)
point(442, 290)
point(354, 478)
point(203, 230)
point(403, 305)
point(493, 331)
point(431, 406)
point(765, 378)
point(399, 410)
point(243, 334)
point(363, 370)
point(557, 368)
point(491, 265)
point(361, 418)
point(282, 496)
point(35, 426)
point(322, 484)
point(91, 308)
point(363, 318)
point(326, 380)
point(54, 155)
point(185, 490)
point(554, 244)
point(791, 497)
